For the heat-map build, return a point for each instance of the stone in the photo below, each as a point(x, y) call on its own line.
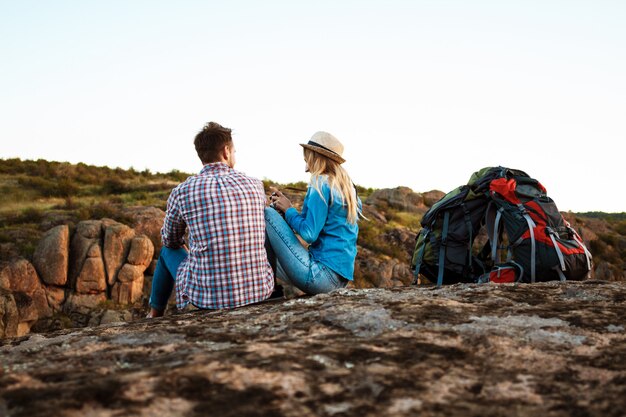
point(22, 276)
point(5, 282)
point(9, 316)
point(90, 229)
point(88, 233)
point(141, 251)
point(51, 257)
point(83, 303)
point(42, 306)
point(148, 221)
point(92, 278)
point(115, 316)
point(127, 292)
point(55, 297)
point(26, 307)
point(431, 197)
point(117, 240)
point(399, 198)
point(94, 251)
point(604, 272)
point(130, 273)
point(548, 349)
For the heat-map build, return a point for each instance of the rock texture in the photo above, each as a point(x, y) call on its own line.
point(465, 350)
point(51, 258)
point(400, 198)
point(117, 238)
point(105, 261)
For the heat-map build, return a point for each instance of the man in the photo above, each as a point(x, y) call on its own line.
point(222, 210)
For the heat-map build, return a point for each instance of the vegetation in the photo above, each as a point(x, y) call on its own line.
point(37, 195)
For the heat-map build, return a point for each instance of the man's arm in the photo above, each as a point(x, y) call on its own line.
point(174, 225)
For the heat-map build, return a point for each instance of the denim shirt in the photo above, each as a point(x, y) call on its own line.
point(324, 225)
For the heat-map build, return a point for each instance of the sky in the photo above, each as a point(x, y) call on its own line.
point(421, 93)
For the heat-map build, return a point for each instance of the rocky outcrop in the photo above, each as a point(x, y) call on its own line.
point(465, 350)
point(373, 271)
point(105, 260)
point(399, 198)
point(28, 293)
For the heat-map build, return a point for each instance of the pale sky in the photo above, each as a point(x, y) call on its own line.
point(421, 93)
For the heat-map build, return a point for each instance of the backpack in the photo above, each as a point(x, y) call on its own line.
point(540, 245)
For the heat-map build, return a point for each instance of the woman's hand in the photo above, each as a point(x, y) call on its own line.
point(279, 201)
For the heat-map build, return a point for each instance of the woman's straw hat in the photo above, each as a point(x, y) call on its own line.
point(326, 144)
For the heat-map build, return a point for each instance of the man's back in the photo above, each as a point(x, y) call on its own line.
point(227, 264)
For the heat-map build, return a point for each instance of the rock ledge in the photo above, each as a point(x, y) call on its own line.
point(465, 350)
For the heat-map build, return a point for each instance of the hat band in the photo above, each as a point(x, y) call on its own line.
point(323, 147)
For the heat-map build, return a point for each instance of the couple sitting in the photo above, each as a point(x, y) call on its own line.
point(236, 244)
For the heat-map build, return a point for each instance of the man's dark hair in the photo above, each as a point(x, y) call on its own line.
point(211, 140)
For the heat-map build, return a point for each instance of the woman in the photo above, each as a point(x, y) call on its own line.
point(327, 222)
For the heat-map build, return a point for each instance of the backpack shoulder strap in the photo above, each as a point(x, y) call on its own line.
point(420, 255)
point(442, 248)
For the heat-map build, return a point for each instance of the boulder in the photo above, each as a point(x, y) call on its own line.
point(399, 198)
point(5, 282)
point(21, 276)
point(131, 273)
point(431, 197)
point(83, 303)
point(604, 272)
point(115, 316)
point(141, 251)
point(88, 233)
point(401, 275)
point(117, 240)
point(55, 297)
point(92, 277)
point(27, 311)
point(51, 257)
point(9, 316)
point(127, 292)
point(148, 221)
point(42, 306)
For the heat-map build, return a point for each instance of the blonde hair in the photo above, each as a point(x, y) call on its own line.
point(338, 180)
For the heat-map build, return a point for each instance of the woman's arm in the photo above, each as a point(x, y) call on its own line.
point(309, 223)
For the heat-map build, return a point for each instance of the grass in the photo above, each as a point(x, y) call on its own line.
point(39, 194)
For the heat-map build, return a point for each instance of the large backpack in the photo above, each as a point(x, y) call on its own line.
point(518, 217)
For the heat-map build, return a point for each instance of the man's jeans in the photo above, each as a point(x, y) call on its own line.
point(293, 263)
point(165, 276)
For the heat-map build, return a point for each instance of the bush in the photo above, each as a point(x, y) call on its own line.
point(63, 187)
point(115, 186)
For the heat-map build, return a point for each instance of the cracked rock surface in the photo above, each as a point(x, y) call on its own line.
point(550, 349)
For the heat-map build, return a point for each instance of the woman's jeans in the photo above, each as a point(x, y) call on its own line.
point(165, 276)
point(293, 263)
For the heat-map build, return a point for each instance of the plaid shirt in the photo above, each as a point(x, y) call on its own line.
point(227, 264)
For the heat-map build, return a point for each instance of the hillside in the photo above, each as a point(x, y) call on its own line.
point(38, 195)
